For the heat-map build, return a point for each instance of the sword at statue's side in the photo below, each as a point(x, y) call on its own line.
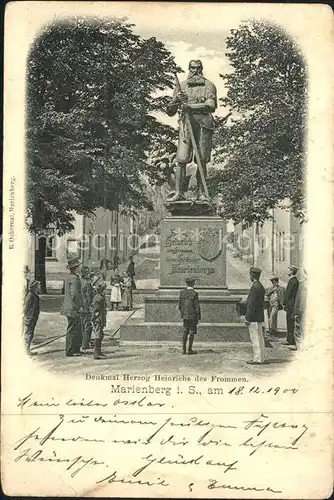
point(193, 141)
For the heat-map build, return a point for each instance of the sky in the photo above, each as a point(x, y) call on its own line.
point(189, 30)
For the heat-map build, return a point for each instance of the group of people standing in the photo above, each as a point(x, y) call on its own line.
point(85, 309)
point(85, 306)
point(121, 288)
point(292, 300)
point(276, 298)
point(121, 284)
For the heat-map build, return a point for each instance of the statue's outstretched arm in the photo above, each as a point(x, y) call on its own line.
point(208, 106)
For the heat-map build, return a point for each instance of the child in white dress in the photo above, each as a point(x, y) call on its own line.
point(116, 292)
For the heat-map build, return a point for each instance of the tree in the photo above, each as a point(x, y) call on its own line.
point(262, 146)
point(92, 88)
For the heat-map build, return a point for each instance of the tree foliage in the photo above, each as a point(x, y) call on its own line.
point(91, 90)
point(262, 146)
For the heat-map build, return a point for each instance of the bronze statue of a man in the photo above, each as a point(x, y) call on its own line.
point(197, 97)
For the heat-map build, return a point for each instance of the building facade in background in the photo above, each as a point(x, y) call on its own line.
point(108, 234)
point(273, 246)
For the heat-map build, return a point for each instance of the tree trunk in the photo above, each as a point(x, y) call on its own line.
point(256, 247)
point(40, 252)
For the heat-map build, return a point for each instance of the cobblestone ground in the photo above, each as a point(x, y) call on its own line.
point(49, 343)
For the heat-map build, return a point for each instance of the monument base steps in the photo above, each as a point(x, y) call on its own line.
point(190, 246)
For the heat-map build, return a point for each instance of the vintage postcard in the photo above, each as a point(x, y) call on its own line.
point(167, 312)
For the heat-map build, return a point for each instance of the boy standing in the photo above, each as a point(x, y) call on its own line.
point(190, 313)
point(99, 317)
point(31, 314)
point(87, 297)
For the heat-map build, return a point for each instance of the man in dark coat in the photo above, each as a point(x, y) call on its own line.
point(72, 308)
point(131, 272)
point(300, 312)
point(86, 316)
point(255, 317)
point(31, 314)
point(116, 262)
point(190, 313)
point(289, 303)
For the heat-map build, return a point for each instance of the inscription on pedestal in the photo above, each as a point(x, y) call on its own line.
point(193, 246)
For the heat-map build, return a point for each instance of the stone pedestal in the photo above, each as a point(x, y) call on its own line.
point(196, 247)
point(193, 246)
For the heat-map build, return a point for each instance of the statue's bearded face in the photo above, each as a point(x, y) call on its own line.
point(195, 76)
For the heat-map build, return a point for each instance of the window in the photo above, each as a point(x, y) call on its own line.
point(113, 242)
point(98, 247)
point(50, 249)
point(262, 242)
point(106, 245)
point(283, 246)
point(80, 249)
point(274, 246)
point(90, 246)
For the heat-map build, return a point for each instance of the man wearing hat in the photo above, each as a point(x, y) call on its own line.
point(190, 313)
point(289, 303)
point(31, 314)
point(275, 296)
point(255, 317)
point(131, 272)
point(73, 308)
point(86, 317)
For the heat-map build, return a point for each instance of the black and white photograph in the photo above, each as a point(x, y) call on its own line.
point(167, 226)
point(159, 162)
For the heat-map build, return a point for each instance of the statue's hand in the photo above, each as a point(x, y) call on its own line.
point(182, 98)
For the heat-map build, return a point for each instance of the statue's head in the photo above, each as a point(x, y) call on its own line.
point(195, 76)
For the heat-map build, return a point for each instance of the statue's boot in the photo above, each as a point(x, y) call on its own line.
point(180, 174)
point(201, 195)
point(200, 190)
point(177, 197)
